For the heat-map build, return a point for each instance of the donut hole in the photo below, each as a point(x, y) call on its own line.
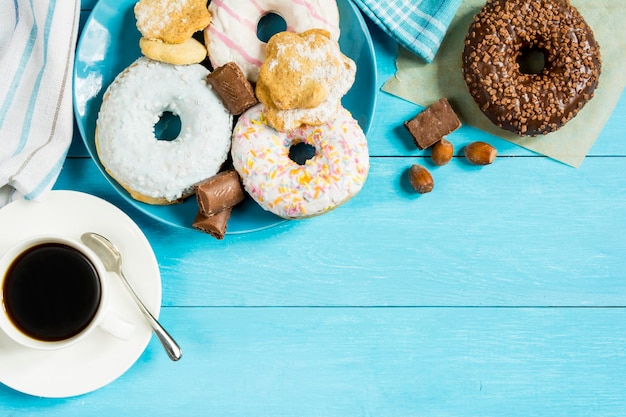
point(269, 25)
point(301, 152)
point(168, 127)
point(532, 59)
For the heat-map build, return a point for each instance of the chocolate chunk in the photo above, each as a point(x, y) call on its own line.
point(215, 225)
point(429, 126)
point(219, 192)
point(230, 83)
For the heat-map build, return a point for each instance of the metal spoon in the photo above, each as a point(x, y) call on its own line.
point(112, 261)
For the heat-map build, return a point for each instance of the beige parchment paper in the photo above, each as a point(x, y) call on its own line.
point(423, 83)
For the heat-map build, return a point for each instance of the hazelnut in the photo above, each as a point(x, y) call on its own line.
point(480, 153)
point(442, 152)
point(420, 179)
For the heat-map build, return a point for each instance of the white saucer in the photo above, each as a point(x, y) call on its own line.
point(100, 358)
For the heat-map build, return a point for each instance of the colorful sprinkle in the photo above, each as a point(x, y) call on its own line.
point(336, 173)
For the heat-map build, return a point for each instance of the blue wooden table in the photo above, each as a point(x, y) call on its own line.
point(501, 293)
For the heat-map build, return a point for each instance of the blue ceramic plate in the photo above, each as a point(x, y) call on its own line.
point(110, 42)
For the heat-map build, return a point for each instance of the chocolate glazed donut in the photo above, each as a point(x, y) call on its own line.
point(530, 65)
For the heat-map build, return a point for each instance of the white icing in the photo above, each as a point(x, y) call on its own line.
point(232, 35)
point(132, 106)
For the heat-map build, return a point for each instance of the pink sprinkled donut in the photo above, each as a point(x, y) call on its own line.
point(232, 34)
point(292, 190)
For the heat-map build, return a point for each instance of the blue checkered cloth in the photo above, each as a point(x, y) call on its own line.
point(418, 25)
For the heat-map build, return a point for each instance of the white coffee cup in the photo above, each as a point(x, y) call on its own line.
point(54, 292)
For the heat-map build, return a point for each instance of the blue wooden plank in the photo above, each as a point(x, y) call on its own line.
point(368, 362)
point(523, 231)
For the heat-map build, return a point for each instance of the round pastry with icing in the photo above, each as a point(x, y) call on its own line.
point(158, 171)
point(232, 34)
point(517, 94)
point(294, 190)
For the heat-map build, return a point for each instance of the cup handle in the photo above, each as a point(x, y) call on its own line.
point(117, 326)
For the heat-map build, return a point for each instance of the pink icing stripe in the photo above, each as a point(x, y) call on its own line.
point(247, 23)
point(313, 12)
point(232, 45)
point(260, 9)
point(262, 12)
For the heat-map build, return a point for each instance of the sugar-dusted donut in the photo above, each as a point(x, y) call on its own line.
point(530, 101)
point(232, 34)
point(161, 171)
point(290, 190)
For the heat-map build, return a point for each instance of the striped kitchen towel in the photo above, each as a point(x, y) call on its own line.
point(37, 41)
point(418, 25)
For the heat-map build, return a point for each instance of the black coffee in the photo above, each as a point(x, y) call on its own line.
point(51, 292)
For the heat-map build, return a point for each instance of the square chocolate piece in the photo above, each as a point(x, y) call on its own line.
point(230, 83)
point(435, 122)
point(215, 224)
point(219, 192)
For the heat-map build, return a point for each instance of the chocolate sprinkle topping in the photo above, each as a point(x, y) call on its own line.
point(530, 102)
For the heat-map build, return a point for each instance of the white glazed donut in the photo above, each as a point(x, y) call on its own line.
point(279, 185)
point(232, 34)
point(160, 171)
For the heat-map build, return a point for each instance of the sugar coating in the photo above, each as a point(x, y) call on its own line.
point(335, 174)
point(171, 21)
point(126, 140)
point(163, 9)
point(303, 79)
